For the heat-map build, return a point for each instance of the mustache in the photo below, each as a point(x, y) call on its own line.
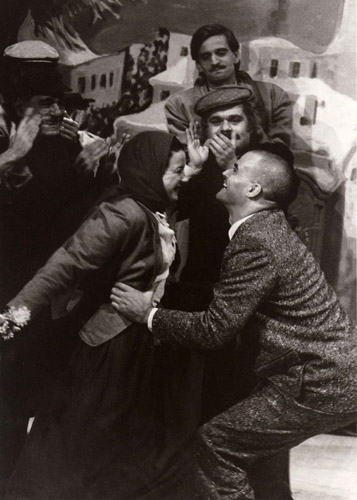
point(218, 66)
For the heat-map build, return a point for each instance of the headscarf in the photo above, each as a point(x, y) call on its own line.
point(142, 164)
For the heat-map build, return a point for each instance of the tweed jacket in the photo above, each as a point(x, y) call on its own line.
point(272, 290)
point(275, 104)
point(119, 241)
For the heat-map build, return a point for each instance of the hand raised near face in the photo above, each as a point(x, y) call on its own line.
point(198, 154)
point(22, 138)
point(69, 128)
point(223, 149)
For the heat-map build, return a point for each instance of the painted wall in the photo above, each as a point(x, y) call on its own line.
point(99, 79)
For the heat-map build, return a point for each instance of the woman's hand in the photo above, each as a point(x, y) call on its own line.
point(198, 154)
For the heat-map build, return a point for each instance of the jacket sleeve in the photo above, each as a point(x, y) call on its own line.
point(178, 116)
point(88, 249)
point(281, 121)
point(248, 276)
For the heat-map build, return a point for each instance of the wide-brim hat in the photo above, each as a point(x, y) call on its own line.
point(230, 95)
point(30, 68)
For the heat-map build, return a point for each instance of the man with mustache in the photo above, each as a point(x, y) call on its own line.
point(46, 188)
point(230, 126)
point(216, 52)
point(46, 184)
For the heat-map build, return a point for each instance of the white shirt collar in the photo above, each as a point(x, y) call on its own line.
point(236, 225)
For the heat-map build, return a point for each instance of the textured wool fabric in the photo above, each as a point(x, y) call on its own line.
point(271, 289)
point(272, 295)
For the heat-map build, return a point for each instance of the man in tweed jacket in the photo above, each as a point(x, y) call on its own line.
point(271, 289)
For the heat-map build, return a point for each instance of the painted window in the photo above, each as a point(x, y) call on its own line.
point(103, 81)
point(164, 94)
point(314, 70)
point(81, 84)
point(295, 69)
point(274, 64)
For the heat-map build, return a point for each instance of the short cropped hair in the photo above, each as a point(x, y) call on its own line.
point(207, 31)
point(277, 177)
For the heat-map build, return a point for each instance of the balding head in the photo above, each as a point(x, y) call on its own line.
point(276, 176)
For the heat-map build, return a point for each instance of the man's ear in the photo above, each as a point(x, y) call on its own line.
point(199, 68)
point(237, 59)
point(254, 190)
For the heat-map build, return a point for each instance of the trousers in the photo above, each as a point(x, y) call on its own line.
point(232, 447)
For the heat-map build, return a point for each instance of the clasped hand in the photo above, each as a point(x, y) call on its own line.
point(132, 303)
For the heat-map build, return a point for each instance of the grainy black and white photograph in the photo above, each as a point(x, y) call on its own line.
point(178, 228)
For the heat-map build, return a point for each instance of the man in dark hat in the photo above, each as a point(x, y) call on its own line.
point(216, 52)
point(44, 194)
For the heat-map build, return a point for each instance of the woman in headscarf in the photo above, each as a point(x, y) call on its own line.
point(120, 425)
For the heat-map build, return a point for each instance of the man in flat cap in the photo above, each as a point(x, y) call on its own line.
point(216, 52)
point(230, 125)
point(46, 188)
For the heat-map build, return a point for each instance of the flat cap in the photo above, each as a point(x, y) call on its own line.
point(222, 97)
point(31, 51)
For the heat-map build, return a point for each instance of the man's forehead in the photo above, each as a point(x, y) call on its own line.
point(213, 43)
point(234, 110)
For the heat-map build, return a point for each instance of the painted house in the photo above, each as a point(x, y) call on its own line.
point(99, 78)
point(94, 76)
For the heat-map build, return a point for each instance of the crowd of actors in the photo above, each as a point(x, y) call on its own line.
point(147, 383)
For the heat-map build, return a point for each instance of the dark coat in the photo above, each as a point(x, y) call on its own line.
point(119, 241)
point(272, 290)
point(208, 226)
point(38, 216)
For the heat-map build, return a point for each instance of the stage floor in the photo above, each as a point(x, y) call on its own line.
point(324, 468)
